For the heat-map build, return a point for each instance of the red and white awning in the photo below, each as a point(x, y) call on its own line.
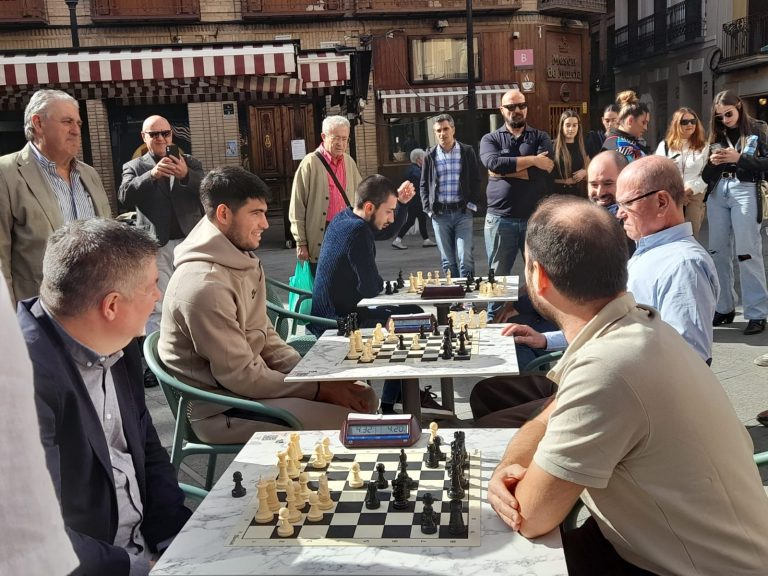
point(147, 64)
point(323, 69)
point(439, 100)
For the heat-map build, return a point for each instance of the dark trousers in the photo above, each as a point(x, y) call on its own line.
point(588, 553)
point(415, 210)
point(509, 401)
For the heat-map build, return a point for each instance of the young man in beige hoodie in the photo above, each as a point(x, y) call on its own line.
point(215, 333)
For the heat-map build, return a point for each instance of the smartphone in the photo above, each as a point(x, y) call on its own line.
point(715, 148)
point(172, 150)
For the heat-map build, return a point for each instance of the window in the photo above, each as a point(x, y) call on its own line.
point(438, 59)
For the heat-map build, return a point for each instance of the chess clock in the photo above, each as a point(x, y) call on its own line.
point(379, 430)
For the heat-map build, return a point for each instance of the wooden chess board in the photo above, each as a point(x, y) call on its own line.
point(350, 523)
point(430, 350)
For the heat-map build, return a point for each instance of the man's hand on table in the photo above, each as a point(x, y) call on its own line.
point(526, 335)
point(501, 494)
point(345, 393)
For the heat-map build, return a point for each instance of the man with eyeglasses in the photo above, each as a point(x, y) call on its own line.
point(43, 187)
point(518, 158)
point(163, 186)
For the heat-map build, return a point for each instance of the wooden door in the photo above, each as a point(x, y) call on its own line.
point(273, 128)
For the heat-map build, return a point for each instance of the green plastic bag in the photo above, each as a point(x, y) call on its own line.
point(302, 278)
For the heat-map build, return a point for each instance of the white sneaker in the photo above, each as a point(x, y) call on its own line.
point(399, 244)
point(762, 360)
point(427, 243)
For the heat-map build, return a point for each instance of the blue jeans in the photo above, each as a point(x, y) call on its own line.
point(503, 238)
point(732, 213)
point(453, 234)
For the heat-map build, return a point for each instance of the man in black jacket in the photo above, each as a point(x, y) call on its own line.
point(118, 492)
point(450, 189)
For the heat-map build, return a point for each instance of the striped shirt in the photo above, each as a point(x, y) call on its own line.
point(74, 200)
point(448, 174)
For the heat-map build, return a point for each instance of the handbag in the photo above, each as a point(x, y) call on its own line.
point(302, 279)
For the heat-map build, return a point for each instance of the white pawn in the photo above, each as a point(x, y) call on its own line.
point(356, 481)
point(272, 499)
point(352, 353)
point(323, 494)
point(448, 278)
point(378, 333)
point(412, 288)
point(472, 318)
point(315, 514)
point(304, 490)
point(483, 322)
point(433, 427)
point(290, 499)
point(391, 336)
point(293, 469)
point(264, 514)
point(319, 461)
point(282, 467)
point(367, 356)
point(284, 527)
point(415, 343)
point(295, 441)
point(327, 454)
point(359, 340)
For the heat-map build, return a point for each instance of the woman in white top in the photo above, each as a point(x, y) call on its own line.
point(685, 144)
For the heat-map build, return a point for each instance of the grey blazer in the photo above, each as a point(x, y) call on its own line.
point(29, 213)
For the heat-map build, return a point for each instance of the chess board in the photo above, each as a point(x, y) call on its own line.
point(350, 523)
point(430, 351)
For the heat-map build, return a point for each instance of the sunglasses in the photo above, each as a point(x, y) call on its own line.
point(163, 133)
point(690, 122)
point(729, 114)
point(513, 107)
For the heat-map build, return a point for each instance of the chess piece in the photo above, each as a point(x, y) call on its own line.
point(462, 351)
point(483, 320)
point(325, 502)
point(472, 318)
point(403, 471)
point(429, 278)
point(433, 460)
point(327, 454)
point(400, 494)
point(421, 332)
point(295, 440)
point(387, 288)
point(437, 441)
point(293, 469)
point(456, 526)
point(272, 500)
point(315, 514)
point(455, 490)
point(352, 353)
point(435, 329)
point(356, 481)
point(448, 278)
point(239, 490)
point(264, 514)
point(372, 501)
point(290, 499)
point(391, 336)
point(412, 289)
point(491, 276)
point(415, 345)
point(478, 281)
point(341, 327)
point(284, 527)
point(428, 515)
point(319, 461)
point(358, 340)
point(433, 428)
point(304, 491)
point(378, 333)
point(447, 347)
point(366, 357)
point(400, 281)
point(282, 471)
point(381, 482)
point(400, 343)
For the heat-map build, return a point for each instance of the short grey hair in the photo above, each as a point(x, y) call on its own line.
point(38, 105)
point(444, 118)
point(330, 123)
point(87, 259)
point(417, 153)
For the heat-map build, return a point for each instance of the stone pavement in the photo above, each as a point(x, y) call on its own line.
point(733, 354)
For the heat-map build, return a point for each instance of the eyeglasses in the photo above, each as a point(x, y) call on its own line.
point(163, 133)
point(626, 204)
point(689, 122)
point(729, 114)
point(513, 107)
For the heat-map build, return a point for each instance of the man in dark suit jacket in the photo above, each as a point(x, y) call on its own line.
point(117, 489)
point(164, 189)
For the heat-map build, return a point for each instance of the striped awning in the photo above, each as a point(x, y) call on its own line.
point(106, 66)
point(439, 100)
point(319, 70)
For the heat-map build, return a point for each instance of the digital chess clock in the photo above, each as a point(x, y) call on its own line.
point(379, 431)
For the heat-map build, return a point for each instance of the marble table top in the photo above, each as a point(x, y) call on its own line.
point(511, 288)
point(201, 548)
point(325, 361)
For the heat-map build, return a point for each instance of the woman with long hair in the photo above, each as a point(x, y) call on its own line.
point(571, 160)
point(738, 148)
point(593, 141)
point(632, 123)
point(686, 145)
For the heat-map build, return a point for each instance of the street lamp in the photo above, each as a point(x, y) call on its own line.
point(72, 4)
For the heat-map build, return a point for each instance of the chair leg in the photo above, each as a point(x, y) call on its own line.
point(211, 470)
point(177, 454)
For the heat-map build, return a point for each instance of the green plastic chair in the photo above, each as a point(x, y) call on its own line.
point(542, 363)
point(193, 492)
point(180, 397)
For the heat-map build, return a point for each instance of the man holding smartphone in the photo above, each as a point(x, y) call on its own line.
point(163, 187)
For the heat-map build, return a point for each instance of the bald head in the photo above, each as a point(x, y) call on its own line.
point(650, 195)
point(157, 134)
point(516, 117)
point(602, 174)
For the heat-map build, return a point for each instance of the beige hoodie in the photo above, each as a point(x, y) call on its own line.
point(215, 333)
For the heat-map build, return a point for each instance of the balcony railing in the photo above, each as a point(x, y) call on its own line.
point(387, 7)
point(578, 8)
point(744, 37)
point(143, 10)
point(602, 78)
point(22, 12)
point(684, 24)
point(265, 9)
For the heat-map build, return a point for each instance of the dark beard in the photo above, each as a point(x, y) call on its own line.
point(516, 123)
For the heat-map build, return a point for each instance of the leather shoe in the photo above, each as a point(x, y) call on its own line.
point(726, 318)
point(754, 327)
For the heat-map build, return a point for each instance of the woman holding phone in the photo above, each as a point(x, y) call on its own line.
point(686, 145)
point(738, 150)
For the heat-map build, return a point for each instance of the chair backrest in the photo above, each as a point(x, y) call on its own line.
point(278, 320)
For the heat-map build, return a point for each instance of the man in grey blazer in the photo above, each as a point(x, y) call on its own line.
point(164, 189)
point(42, 187)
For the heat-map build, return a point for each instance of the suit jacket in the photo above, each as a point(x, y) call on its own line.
point(154, 200)
point(29, 214)
point(77, 454)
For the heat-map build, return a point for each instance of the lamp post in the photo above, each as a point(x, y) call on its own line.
point(471, 95)
point(72, 5)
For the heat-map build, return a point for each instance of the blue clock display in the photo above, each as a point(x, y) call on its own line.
point(381, 430)
point(378, 430)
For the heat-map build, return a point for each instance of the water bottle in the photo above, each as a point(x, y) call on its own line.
point(751, 146)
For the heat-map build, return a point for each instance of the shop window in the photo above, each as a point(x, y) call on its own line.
point(441, 59)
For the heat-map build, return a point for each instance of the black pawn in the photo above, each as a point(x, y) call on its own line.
point(440, 454)
point(447, 348)
point(433, 459)
point(341, 327)
point(387, 288)
point(372, 501)
point(456, 526)
point(468, 287)
point(491, 276)
point(456, 490)
point(395, 289)
point(470, 280)
point(478, 281)
point(435, 329)
point(428, 516)
point(400, 281)
point(239, 490)
point(451, 331)
point(462, 347)
point(421, 332)
point(400, 494)
point(400, 343)
point(381, 482)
